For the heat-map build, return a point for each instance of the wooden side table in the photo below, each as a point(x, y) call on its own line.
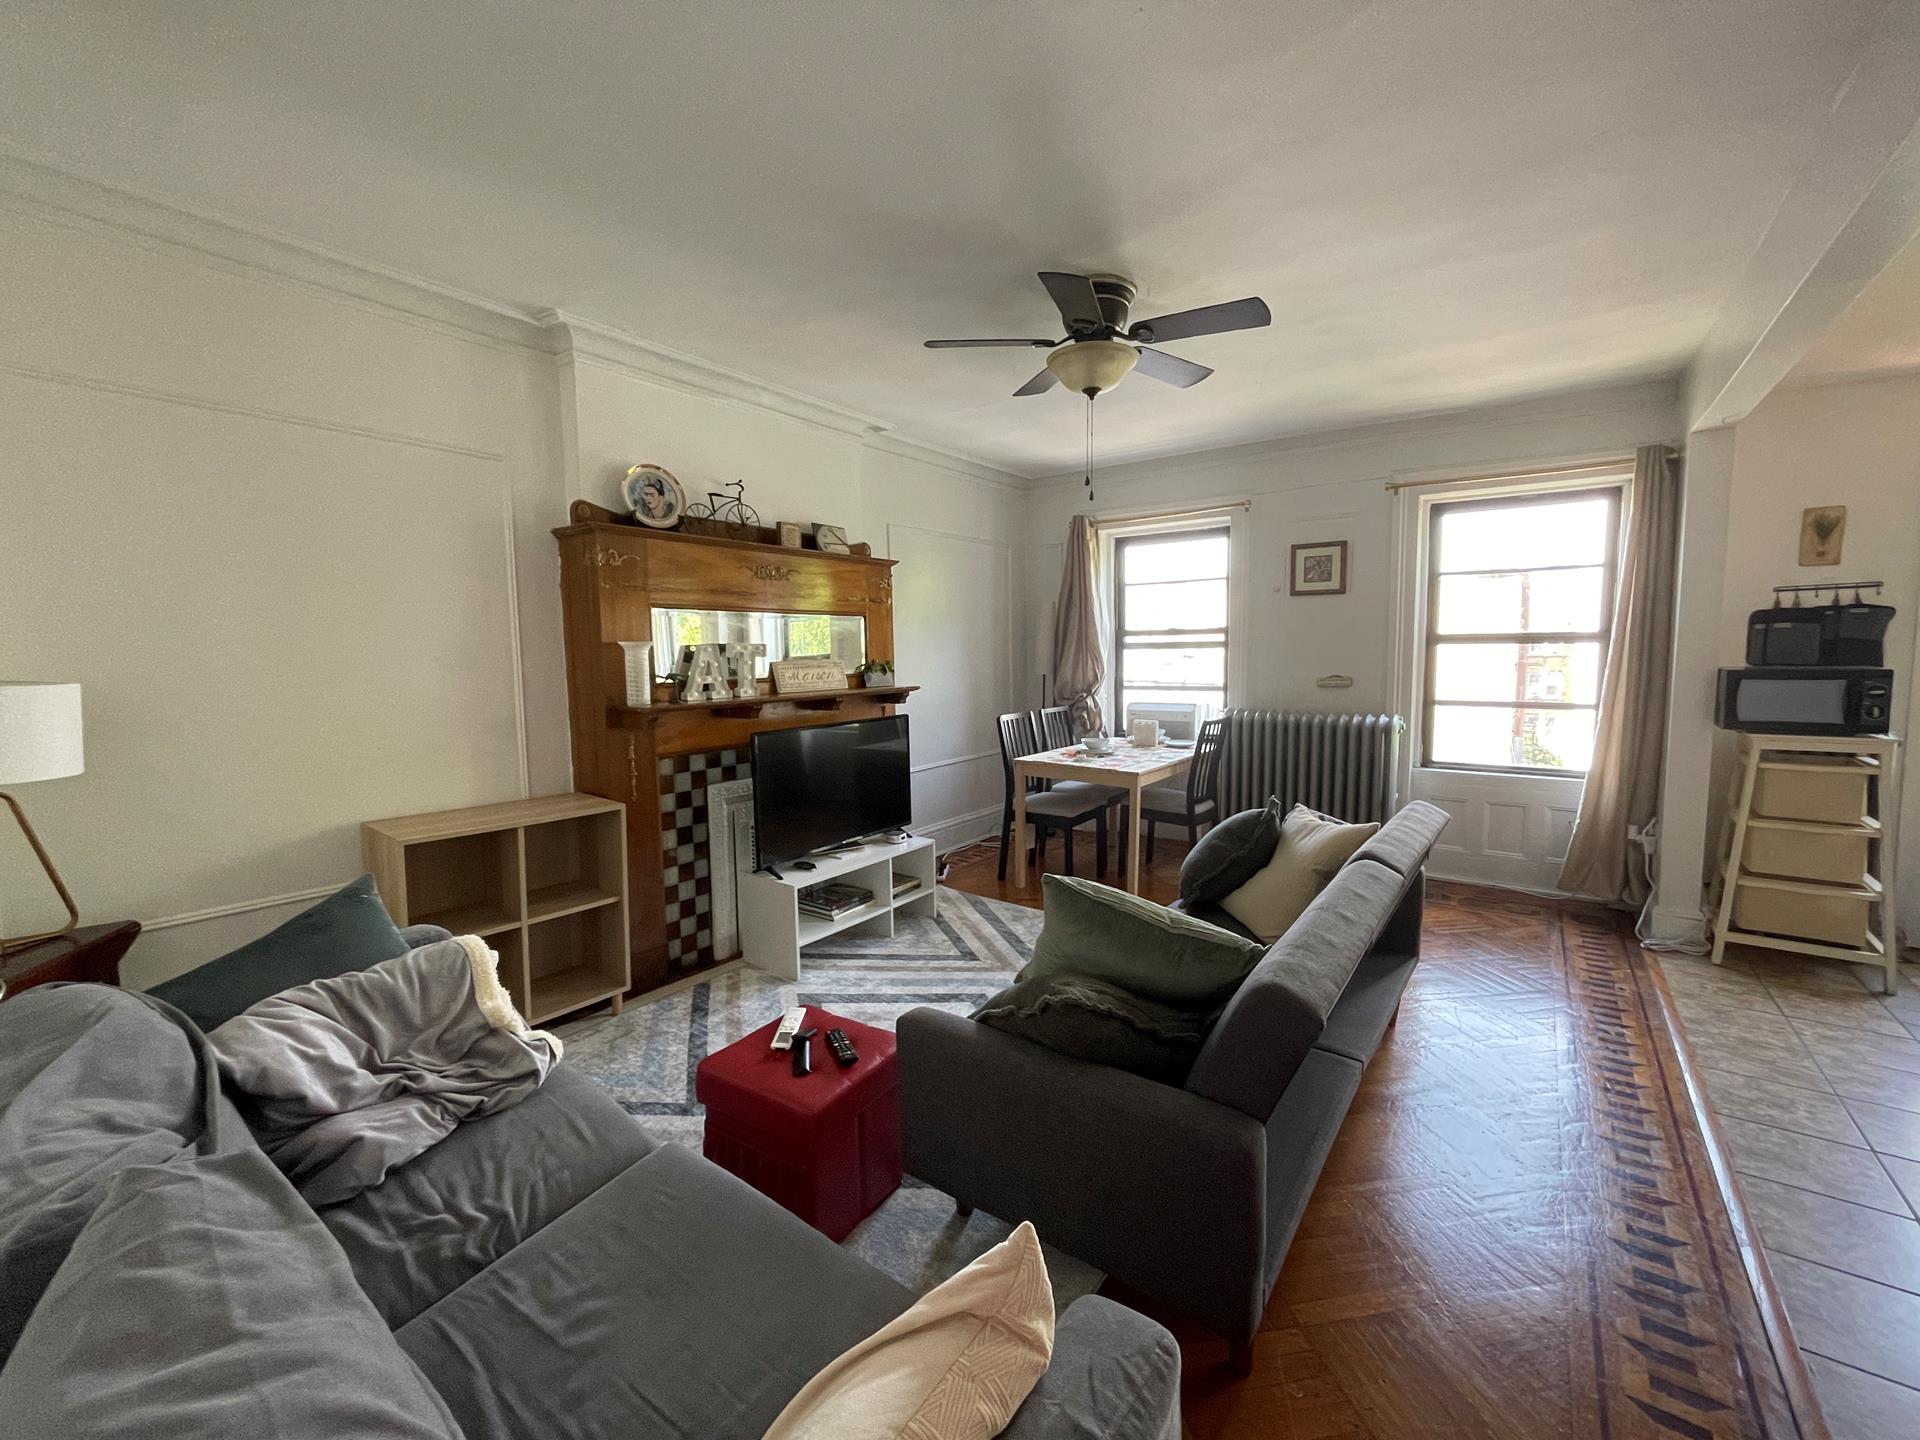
point(92, 953)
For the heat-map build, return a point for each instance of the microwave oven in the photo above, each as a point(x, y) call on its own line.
point(1804, 700)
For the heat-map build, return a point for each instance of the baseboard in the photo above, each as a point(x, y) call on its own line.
point(958, 830)
point(1676, 927)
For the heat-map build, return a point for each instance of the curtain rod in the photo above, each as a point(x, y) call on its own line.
point(1548, 472)
point(1099, 521)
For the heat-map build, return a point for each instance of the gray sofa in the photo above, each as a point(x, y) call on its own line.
point(547, 1271)
point(1190, 1194)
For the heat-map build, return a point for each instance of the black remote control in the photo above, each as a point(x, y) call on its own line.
point(841, 1047)
point(803, 1050)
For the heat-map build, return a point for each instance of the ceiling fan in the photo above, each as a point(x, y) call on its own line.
point(1100, 347)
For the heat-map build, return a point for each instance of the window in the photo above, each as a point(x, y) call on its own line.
point(1519, 598)
point(1170, 619)
point(809, 635)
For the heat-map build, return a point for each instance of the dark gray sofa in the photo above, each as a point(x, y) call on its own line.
point(550, 1271)
point(1190, 1194)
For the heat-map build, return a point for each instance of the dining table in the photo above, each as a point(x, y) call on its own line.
point(1126, 766)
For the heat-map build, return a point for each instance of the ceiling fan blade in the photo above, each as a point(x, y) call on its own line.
point(986, 344)
point(1248, 314)
point(1039, 384)
point(1079, 306)
point(1170, 368)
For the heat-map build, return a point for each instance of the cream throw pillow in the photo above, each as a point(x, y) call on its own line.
point(955, 1366)
point(1312, 847)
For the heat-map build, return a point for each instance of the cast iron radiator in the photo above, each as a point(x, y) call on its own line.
point(1341, 765)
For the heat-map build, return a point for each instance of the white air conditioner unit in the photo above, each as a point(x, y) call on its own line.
point(1181, 721)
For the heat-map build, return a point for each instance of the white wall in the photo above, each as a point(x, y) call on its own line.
point(952, 526)
point(287, 522)
point(291, 540)
point(1334, 487)
point(1856, 445)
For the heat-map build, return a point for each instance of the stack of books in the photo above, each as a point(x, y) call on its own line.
point(829, 901)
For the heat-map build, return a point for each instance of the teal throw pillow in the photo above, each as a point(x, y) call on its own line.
point(1144, 948)
point(349, 930)
point(1092, 1020)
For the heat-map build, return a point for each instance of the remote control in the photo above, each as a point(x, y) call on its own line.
point(790, 1023)
point(841, 1047)
point(803, 1051)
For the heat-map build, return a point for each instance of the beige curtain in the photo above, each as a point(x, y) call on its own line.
point(1623, 785)
point(1078, 665)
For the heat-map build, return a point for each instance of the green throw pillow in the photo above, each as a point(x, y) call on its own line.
point(1230, 854)
point(1144, 948)
point(1092, 1020)
point(349, 930)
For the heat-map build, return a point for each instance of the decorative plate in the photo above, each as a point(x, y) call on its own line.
point(654, 496)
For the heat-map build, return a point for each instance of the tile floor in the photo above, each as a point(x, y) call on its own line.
point(1815, 1079)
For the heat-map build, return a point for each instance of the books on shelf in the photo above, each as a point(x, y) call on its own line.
point(904, 885)
point(829, 901)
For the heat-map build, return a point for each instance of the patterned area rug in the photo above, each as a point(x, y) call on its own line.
point(647, 1056)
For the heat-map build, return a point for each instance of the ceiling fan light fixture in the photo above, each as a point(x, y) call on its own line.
point(1093, 366)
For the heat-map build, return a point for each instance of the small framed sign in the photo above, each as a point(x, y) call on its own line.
point(1823, 531)
point(803, 677)
point(1319, 569)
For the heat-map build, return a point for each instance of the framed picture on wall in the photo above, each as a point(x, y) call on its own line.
point(1318, 569)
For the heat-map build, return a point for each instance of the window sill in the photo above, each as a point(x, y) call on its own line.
point(1573, 779)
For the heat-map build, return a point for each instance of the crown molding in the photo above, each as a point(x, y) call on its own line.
point(575, 338)
point(34, 186)
point(1600, 400)
point(889, 443)
point(31, 186)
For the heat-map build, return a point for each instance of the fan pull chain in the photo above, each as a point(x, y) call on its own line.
point(1089, 472)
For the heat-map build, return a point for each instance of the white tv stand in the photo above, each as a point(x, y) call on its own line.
point(773, 932)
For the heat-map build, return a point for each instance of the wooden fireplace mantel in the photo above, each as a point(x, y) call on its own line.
point(612, 575)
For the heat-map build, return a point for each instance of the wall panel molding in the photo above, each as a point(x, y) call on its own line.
point(242, 907)
point(250, 412)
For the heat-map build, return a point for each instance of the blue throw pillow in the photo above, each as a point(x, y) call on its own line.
point(350, 930)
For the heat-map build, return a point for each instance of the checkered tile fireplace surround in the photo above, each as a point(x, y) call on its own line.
point(686, 851)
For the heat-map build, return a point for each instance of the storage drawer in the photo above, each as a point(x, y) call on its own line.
point(1804, 855)
point(1837, 919)
point(1836, 794)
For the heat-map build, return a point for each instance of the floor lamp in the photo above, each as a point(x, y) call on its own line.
point(40, 739)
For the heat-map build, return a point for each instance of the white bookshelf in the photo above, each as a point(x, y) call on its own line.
point(773, 932)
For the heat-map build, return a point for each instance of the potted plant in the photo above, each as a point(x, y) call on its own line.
point(877, 674)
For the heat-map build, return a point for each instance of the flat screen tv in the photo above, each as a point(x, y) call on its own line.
point(822, 785)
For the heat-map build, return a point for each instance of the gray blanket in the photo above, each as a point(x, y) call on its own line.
point(346, 1078)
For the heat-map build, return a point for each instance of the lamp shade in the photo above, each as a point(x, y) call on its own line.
point(39, 732)
point(1091, 366)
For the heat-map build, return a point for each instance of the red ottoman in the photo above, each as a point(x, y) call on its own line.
point(825, 1145)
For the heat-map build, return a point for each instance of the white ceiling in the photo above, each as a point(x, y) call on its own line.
point(1877, 335)
point(1444, 204)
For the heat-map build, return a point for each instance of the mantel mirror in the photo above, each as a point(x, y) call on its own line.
point(841, 638)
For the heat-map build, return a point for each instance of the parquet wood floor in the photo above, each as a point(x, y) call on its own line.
point(1518, 1233)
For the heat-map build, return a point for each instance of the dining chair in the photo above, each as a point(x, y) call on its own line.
point(1062, 805)
point(1191, 802)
